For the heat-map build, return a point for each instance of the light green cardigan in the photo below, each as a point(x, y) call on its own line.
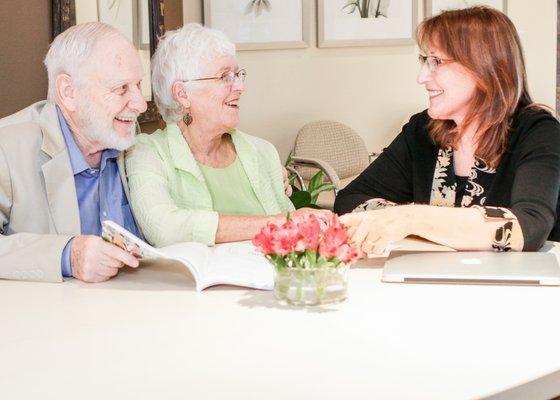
point(168, 193)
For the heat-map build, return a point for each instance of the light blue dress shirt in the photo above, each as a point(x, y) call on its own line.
point(100, 193)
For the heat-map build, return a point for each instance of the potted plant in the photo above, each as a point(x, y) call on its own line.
point(306, 196)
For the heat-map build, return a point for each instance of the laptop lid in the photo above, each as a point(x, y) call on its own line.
point(469, 267)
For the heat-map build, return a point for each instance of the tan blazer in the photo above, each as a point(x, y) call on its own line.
point(38, 203)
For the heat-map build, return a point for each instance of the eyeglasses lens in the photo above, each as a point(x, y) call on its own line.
point(431, 62)
point(229, 77)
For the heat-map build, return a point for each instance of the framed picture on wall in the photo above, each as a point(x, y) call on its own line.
point(436, 6)
point(260, 24)
point(366, 22)
point(143, 34)
point(119, 13)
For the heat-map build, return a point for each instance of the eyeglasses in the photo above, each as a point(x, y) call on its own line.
point(433, 62)
point(227, 77)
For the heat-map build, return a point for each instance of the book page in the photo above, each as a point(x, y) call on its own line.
point(239, 264)
point(229, 263)
point(194, 255)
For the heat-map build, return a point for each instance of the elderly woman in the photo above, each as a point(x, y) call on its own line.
point(200, 179)
point(480, 169)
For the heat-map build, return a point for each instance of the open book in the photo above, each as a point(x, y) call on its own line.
point(237, 264)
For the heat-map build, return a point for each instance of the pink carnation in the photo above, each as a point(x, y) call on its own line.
point(347, 254)
point(264, 239)
point(285, 239)
point(309, 231)
point(335, 243)
point(333, 238)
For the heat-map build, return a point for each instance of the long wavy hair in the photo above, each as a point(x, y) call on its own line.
point(485, 42)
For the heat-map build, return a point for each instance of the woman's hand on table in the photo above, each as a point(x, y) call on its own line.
point(372, 231)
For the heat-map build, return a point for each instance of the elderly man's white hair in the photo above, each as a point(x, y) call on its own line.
point(181, 55)
point(71, 49)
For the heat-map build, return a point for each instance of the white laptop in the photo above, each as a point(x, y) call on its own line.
point(469, 267)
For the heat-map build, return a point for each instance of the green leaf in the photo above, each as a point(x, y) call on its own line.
point(323, 188)
point(315, 193)
point(311, 258)
point(301, 198)
point(278, 261)
point(308, 198)
point(316, 181)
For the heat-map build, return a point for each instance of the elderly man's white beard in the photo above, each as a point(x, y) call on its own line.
point(98, 129)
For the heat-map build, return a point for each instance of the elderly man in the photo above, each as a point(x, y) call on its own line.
point(61, 169)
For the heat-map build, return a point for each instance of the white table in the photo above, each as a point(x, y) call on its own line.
point(148, 335)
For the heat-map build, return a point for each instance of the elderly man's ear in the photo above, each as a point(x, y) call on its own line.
point(66, 92)
point(180, 94)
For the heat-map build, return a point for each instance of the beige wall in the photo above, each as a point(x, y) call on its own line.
point(371, 89)
point(25, 32)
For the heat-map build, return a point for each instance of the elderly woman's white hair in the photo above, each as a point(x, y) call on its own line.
point(181, 55)
point(71, 48)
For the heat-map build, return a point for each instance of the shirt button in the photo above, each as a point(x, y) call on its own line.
point(104, 214)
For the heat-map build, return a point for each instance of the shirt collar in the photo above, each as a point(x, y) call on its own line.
point(77, 159)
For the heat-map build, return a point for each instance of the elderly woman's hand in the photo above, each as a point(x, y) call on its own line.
point(286, 179)
point(372, 231)
point(317, 212)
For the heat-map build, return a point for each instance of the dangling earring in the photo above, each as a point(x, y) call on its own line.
point(187, 118)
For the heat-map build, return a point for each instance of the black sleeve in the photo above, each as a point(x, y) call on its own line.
point(389, 176)
point(535, 188)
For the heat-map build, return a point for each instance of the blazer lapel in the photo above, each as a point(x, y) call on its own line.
point(57, 172)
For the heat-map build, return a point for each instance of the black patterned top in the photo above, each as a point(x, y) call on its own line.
point(412, 169)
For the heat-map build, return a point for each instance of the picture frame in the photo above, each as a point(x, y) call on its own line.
point(261, 24)
point(436, 6)
point(143, 30)
point(120, 14)
point(342, 23)
point(130, 17)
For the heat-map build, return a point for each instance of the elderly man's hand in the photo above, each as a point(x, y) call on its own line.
point(287, 186)
point(95, 260)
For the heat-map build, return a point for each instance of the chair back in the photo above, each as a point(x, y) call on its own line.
point(337, 144)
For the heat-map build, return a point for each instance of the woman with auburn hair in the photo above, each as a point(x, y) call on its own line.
point(480, 168)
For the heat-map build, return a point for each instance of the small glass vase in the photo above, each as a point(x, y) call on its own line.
point(311, 286)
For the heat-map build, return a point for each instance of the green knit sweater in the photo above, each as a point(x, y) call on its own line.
point(170, 197)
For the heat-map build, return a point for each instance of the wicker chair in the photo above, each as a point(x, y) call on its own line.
point(335, 149)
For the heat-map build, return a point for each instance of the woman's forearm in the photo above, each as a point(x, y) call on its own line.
point(459, 228)
point(233, 228)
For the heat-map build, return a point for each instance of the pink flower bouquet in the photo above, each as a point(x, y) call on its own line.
point(311, 256)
